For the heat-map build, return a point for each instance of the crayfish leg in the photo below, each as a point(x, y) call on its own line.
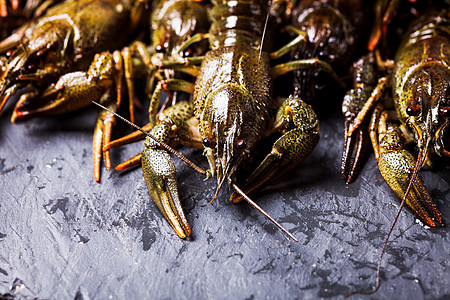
point(296, 42)
point(102, 133)
point(131, 162)
point(133, 137)
point(281, 69)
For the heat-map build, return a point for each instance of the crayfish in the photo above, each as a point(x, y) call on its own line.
point(419, 77)
point(420, 84)
point(231, 111)
point(58, 57)
point(331, 31)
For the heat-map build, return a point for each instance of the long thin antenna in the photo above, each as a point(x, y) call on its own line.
point(164, 145)
point(411, 182)
point(264, 32)
point(252, 203)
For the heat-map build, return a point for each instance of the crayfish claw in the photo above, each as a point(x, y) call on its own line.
point(24, 107)
point(396, 168)
point(396, 165)
point(5, 97)
point(356, 108)
point(73, 91)
point(355, 143)
point(300, 127)
point(354, 154)
point(422, 203)
point(157, 165)
point(159, 173)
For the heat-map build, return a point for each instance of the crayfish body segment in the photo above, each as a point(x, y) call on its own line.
point(232, 102)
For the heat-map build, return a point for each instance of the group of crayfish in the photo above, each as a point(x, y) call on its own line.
point(226, 55)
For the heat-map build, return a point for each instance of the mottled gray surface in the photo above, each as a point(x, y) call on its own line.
point(64, 236)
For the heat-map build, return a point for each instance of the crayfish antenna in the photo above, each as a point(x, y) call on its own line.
point(263, 35)
point(383, 250)
point(252, 203)
point(162, 144)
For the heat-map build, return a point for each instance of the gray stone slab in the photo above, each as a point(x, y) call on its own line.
point(64, 236)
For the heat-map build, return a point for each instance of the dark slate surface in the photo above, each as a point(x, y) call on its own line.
point(64, 236)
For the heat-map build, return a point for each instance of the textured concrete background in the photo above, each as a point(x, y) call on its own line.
point(64, 236)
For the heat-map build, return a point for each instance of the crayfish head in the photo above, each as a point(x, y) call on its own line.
point(174, 22)
point(428, 111)
point(231, 125)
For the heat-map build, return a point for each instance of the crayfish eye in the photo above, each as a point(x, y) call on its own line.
point(445, 111)
point(241, 145)
point(413, 110)
point(209, 143)
point(187, 53)
point(161, 48)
